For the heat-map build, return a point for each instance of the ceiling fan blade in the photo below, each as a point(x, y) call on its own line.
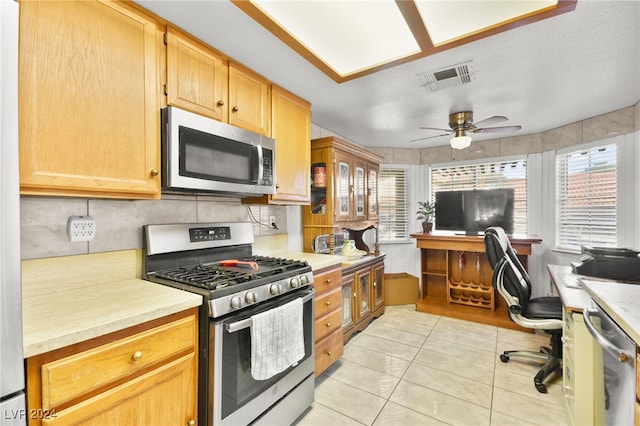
point(497, 129)
point(431, 137)
point(491, 121)
point(436, 128)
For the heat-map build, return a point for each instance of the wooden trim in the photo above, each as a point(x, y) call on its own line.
point(410, 13)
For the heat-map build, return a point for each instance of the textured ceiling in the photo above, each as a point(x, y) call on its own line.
point(541, 76)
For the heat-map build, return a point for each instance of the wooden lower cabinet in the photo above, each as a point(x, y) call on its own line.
point(328, 317)
point(146, 374)
point(365, 282)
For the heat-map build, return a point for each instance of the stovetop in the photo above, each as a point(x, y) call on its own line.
point(216, 276)
point(191, 258)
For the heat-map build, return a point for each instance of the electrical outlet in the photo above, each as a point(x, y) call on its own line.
point(272, 221)
point(81, 228)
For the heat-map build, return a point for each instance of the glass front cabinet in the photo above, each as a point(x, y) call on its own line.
point(344, 193)
point(364, 283)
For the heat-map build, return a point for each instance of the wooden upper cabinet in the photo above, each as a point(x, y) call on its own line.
point(249, 100)
point(291, 128)
point(197, 76)
point(89, 99)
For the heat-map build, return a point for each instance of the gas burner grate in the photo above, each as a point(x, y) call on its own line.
point(209, 277)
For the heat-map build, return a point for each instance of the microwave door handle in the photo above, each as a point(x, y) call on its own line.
point(260, 163)
point(612, 349)
point(246, 323)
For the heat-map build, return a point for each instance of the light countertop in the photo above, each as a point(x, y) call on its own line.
point(70, 299)
point(620, 301)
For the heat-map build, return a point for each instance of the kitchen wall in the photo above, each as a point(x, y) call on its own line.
point(119, 222)
point(43, 220)
point(622, 126)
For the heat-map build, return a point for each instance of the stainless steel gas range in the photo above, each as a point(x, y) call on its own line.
point(256, 363)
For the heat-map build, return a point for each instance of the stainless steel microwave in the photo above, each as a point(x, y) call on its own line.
point(200, 154)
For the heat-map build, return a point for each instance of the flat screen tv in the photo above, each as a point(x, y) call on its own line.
point(474, 211)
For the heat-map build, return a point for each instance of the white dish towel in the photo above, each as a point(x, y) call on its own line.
point(277, 340)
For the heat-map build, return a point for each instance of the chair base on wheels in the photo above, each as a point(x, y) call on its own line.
point(551, 357)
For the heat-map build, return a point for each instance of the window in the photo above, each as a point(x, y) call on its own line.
point(586, 198)
point(394, 204)
point(503, 174)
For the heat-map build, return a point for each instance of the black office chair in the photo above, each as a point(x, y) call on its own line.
point(545, 313)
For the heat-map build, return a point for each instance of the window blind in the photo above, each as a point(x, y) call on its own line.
point(586, 196)
point(505, 174)
point(393, 199)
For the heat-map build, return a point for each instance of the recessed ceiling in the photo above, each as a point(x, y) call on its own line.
point(333, 35)
point(543, 75)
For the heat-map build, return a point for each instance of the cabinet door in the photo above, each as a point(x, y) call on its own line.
point(343, 188)
point(359, 191)
point(363, 295)
point(372, 192)
point(166, 395)
point(197, 76)
point(249, 100)
point(291, 118)
point(348, 298)
point(88, 100)
point(377, 286)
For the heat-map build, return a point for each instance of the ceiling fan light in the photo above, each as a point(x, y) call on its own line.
point(460, 142)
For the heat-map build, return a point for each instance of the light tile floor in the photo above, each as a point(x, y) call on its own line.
point(412, 368)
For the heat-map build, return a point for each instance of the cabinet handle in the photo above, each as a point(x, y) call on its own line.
point(354, 295)
point(137, 356)
point(154, 172)
point(350, 189)
point(328, 302)
point(234, 109)
point(220, 103)
point(329, 353)
point(375, 283)
point(277, 186)
point(328, 281)
point(328, 325)
point(191, 423)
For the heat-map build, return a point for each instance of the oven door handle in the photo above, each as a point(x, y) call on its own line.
point(612, 349)
point(246, 323)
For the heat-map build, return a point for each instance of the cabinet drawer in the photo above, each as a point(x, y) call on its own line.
point(569, 334)
point(328, 324)
point(328, 351)
point(325, 282)
point(568, 389)
point(328, 302)
point(73, 376)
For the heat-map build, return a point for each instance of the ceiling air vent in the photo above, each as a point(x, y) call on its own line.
point(455, 75)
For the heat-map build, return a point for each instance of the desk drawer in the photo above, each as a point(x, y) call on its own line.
point(73, 376)
point(328, 324)
point(568, 388)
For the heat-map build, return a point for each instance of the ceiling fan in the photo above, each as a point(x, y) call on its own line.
point(462, 122)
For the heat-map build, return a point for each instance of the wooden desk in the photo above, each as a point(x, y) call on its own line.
point(456, 277)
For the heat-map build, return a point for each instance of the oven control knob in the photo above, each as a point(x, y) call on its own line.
point(251, 297)
point(274, 289)
point(304, 280)
point(236, 302)
point(294, 282)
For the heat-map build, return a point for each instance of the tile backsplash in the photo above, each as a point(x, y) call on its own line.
point(43, 220)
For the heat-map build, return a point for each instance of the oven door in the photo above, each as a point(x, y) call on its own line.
point(237, 397)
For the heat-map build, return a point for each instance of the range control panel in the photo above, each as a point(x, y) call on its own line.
point(217, 233)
